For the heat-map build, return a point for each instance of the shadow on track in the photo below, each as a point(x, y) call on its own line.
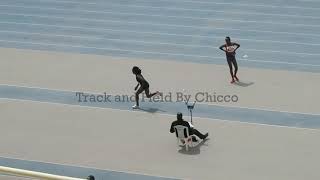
point(194, 150)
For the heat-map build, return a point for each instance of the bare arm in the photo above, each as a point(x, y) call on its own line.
point(238, 45)
point(221, 48)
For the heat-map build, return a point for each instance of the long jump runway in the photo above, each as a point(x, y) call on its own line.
point(53, 49)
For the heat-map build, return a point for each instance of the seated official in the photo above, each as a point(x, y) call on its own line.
point(192, 130)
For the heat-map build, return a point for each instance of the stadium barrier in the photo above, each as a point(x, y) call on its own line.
point(33, 174)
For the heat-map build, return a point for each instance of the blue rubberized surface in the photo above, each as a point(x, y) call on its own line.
point(273, 35)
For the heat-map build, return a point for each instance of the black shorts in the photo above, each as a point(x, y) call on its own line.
point(231, 58)
point(143, 88)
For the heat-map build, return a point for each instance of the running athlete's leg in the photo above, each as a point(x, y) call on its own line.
point(140, 90)
point(235, 64)
point(231, 69)
point(147, 91)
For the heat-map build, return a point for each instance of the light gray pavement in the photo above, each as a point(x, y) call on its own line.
point(9, 177)
point(271, 89)
point(183, 36)
point(140, 142)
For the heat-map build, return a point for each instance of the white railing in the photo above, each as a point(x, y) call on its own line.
point(33, 174)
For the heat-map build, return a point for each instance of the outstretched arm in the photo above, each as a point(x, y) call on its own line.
point(221, 48)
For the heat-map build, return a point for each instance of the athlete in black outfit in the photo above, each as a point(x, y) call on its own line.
point(144, 86)
point(231, 57)
point(192, 131)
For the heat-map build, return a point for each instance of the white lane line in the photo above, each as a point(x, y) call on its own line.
point(158, 33)
point(278, 62)
point(260, 109)
point(251, 4)
point(152, 7)
point(90, 92)
point(147, 15)
point(154, 43)
point(143, 112)
point(87, 167)
point(146, 52)
point(211, 2)
point(180, 26)
point(101, 48)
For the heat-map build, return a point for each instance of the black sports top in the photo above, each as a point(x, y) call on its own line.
point(230, 49)
point(142, 81)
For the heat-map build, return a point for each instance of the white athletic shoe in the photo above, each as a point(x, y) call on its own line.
point(135, 107)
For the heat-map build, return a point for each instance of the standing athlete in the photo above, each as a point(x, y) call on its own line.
point(144, 86)
point(230, 49)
